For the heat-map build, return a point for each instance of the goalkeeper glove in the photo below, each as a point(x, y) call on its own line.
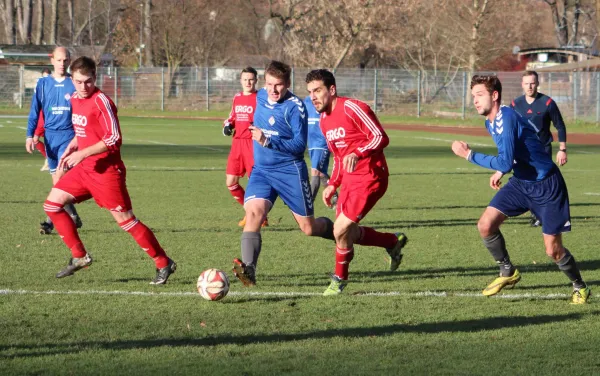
point(227, 130)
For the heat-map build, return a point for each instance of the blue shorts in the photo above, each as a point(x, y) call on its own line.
point(547, 199)
point(56, 143)
point(319, 160)
point(289, 182)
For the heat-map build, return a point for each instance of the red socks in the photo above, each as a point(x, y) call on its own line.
point(65, 227)
point(237, 192)
point(342, 261)
point(371, 237)
point(41, 148)
point(146, 240)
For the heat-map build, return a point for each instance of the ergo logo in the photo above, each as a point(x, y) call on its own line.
point(335, 134)
point(243, 109)
point(79, 120)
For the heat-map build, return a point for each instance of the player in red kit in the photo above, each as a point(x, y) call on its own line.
point(356, 140)
point(241, 158)
point(97, 171)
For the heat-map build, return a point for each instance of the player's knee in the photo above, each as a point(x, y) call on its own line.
point(485, 227)
point(340, 233)
point(308, 228)
point(555, 251)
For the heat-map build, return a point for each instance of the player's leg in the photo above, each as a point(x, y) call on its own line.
point(69, 208)
point(346, 233)
point(41, 147)
point(315, 182)
point(567, 264)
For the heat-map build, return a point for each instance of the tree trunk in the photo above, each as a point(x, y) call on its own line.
point(71, 12)
point(560, 22)
point(39, 27)
point(24, 20)
point(575, 25)
point(7, 11)
point(148, 32)
point(53, 22)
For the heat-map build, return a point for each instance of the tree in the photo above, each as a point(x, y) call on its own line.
point(24, 13)
point(7, 11)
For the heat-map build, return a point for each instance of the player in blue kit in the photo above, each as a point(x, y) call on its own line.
point(53, 97)
point(317, 151)
point(279, 133)
point(536, 185)
point(541, 110)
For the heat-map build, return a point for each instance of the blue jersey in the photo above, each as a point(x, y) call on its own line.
point(316, 140)
point(541, 112)
point(54, 98)
point(519, 148)
point(284, 123)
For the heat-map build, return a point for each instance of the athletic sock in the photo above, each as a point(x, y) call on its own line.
point(370, 237)
point(324, 180)
point(41, 148)
point(497, 247)
point(146, 240)
point(251, 245)
point(237, 192)
point(64, 225)
point(315, 182)
point(48, 220)
point(568, 266)
point(70, 208)
point(343, 256)
point(328, 234)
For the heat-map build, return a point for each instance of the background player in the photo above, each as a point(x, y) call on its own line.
point(241, 160)
point(39, 131)
point(540, 109)
point(279, 135)
point(97, 172)
point(52, 97)
point(317, 151)
point(536, 185)
point(356, 140)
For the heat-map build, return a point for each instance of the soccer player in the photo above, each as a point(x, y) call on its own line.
point(52, 98)
point(536, 185)
point(356, 139)
point(241, 159)
point(540, 109)
point(279, 134)
point(39, 131)
point(317, 151)
point(97, 172)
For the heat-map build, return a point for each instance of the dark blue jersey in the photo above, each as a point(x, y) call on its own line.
point(541, 112)
point(316, 139)
point(54, 98)
point(284, 123)
point(519, 148)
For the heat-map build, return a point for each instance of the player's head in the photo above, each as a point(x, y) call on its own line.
point(277, 79)
point(530, 83)
point(248, 79)
point(60, 60)
point(83, 71)
point(486, 92)
point(46, 72)
point(320, 84)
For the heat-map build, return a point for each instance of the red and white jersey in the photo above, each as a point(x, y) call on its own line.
point(95, 119)
point(242, 114)
point(352, 127)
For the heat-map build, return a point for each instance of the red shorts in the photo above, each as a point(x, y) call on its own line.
point(358, 196)
point(108, 188)
point(241, 157)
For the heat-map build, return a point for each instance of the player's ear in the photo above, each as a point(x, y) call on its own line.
point(333, 90)
point(495, 96)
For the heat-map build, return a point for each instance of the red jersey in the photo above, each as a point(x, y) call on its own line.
point(352, 127)
point(242, 115)
point(39, 128)
point(95, 119)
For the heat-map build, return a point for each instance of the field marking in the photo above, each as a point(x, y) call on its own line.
point(23, 128)
point(419, 294)
point(172, 144)
point(592, 193)
point(446, 140)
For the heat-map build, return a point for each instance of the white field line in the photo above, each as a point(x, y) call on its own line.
point(23, 128)
point(446, 140)
point(592, 193)
point(172, 144)
point(419, 294)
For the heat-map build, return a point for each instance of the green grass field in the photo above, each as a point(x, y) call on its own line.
point(428, 318)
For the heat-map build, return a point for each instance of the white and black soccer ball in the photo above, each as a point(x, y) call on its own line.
point(213, 284)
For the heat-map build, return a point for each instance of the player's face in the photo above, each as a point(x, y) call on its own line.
point(530, 85)
point(321, 97)
point(248, 81)
point(60, 61)
point(84, 84)
point(482, 99)
point(276, 87)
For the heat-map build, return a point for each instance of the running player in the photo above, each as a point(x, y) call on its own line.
point(39, 131)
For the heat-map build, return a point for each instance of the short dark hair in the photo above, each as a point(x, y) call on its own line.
point(279, 70)
point(84, 65)
point(531, 73)
point(249, 70)
point(491, 82)
point(46, 71)
point(321, 75)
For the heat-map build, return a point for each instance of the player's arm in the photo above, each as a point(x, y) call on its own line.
point(229, 123)
point(297, 121)
point(110, 123)
point(75, 157)
point(34, 113)
point(503, 162)
point(337, 171)
point(366, 120)
point(561, 128)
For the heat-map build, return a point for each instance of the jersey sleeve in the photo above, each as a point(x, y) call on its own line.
point(366, 120)
point(337, 171)
point(36, 107)
point(109, 122)
point(558, 121)
point(231, 119)
point(297, 120)
point(39, 129)
point(503, 162)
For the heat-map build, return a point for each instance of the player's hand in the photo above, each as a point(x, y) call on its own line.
point(328, 194)
point(70, 160)
point(227, 130)
point(258, 135)
point(561, 158)
point(36, 139)
point(461, 149)
point(349, 162)
point(29, 145)
point(495, 182)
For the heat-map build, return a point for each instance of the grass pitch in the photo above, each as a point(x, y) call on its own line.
point(427, 318)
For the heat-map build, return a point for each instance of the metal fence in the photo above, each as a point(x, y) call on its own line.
point(388, 91)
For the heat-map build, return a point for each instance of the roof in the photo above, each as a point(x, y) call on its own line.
point(29, 54)
point(570, 50)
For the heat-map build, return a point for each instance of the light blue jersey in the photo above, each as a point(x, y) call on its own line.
point(316, 140)
point(54, 99)
point(519, 148)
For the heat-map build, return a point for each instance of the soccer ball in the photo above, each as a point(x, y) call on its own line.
point(213, 284)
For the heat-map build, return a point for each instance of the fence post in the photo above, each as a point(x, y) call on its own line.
point(597, 97)
point(419, 94)
point(162, 89)
point(375, 92)
point(575, 96)
point(21, 85)
point(207, 88)
point(116, 86)
point(464, 95)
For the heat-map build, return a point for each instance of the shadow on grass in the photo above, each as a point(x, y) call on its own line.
point(464, 326)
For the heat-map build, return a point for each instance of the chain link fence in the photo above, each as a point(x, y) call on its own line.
point(387, 91)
